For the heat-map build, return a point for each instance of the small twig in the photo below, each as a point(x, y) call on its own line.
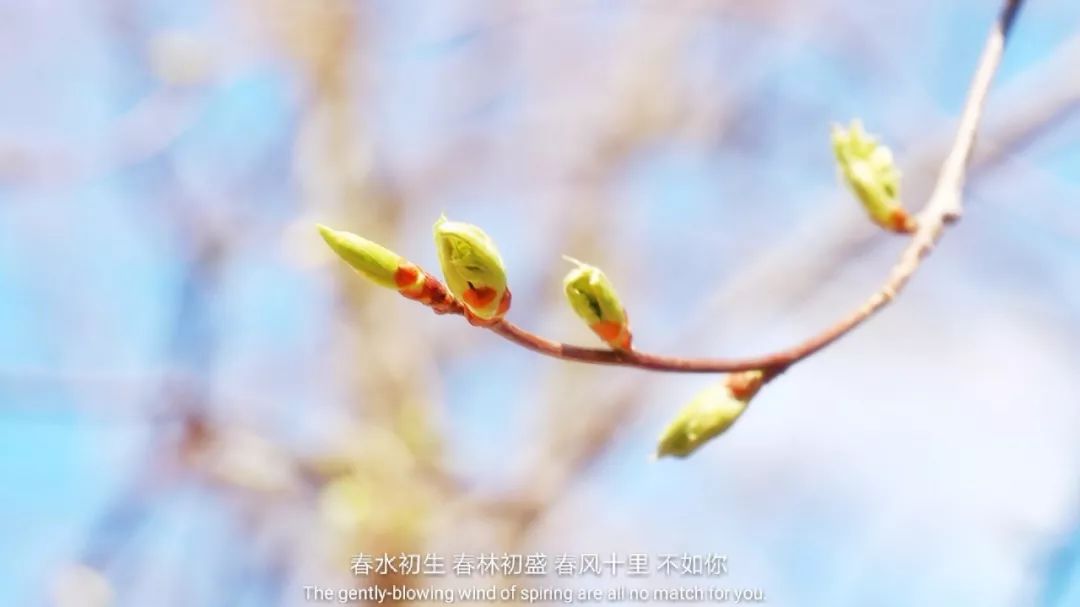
point(947, 202)
point(943, 208)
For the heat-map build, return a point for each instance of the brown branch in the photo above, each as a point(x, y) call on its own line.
point(944, 207)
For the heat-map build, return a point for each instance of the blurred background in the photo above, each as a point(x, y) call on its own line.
point(199, 405)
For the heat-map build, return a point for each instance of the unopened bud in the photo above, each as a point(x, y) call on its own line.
point(595, 301)
point(473, 270)
point(386, 268)
point(377, 263)
point(868, 169)
point(709, 414)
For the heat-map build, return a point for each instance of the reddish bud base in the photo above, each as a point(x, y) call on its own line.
point(900, 221)
point(504, 306)
point(479, 297)
point(617, 335)
point(417, 285)
point(744, 386)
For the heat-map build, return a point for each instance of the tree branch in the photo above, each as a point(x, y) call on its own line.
point(944, 207)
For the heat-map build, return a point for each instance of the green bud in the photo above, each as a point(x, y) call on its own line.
point(709, 414)
point(868, 169)
point(595, 301)
point(377, 263)
point(473, 269)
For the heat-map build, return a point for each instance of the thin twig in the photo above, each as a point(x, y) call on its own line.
point(944, 207)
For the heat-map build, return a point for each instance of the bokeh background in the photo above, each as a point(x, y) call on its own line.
point(200, 406)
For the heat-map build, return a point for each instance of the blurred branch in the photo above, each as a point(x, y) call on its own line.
point(548, 484)
point(144, 132)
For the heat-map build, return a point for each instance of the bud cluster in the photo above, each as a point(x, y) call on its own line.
point(476, 286)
